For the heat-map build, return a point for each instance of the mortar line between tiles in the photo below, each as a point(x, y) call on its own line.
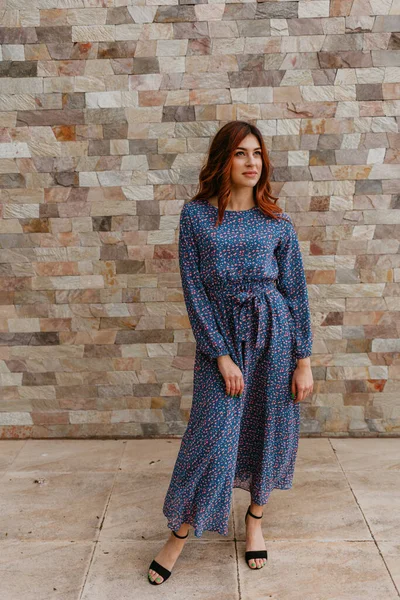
point(15, 458)
point(96, 541)
point(365, 519)
point(236, 555)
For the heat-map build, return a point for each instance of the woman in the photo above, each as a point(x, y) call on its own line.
point(246, 296)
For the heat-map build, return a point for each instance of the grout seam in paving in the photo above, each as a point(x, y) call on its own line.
point(365, 519)
point(96, 541)
point(15, 457)
point(236, 555)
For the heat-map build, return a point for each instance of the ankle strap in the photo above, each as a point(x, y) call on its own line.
point(251, 514)
point(182, 537)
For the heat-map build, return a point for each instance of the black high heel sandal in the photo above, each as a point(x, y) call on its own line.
point(254, 553)
point(155, 566)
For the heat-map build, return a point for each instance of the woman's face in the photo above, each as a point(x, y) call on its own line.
point(247, 162)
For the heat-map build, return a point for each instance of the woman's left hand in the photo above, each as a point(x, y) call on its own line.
point(302, 382)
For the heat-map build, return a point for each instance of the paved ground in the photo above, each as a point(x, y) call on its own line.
point(82, 519)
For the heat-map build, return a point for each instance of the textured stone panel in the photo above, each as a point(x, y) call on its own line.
point(106, 114)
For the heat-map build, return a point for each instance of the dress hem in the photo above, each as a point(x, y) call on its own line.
point(198, 532)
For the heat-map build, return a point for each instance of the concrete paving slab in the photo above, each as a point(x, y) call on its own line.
point(41, 570)
point(203, 571)
point(317, 571)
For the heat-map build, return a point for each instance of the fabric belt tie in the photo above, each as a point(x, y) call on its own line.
point(244, 301)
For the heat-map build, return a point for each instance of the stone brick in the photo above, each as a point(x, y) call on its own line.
point(15, 150)
point(50, 117)
point(99, 148)
point(394, 42)
point(178, 113)
point(78, 51)
point(18, 35)
point(124, 49)
point(11, 180)
point(119, 15)
point(18, 69)
point(280, 10)
point(89, 33)
point(49, 35)
point(387, 23)
point(105, 115)
point(64, 133)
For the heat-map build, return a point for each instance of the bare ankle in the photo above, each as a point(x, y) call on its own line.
point(183, 530)
point(256, 509)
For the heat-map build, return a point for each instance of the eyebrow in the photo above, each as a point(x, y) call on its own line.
point(241, 148)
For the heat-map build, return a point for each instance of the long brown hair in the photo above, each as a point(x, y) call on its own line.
point(214, 178)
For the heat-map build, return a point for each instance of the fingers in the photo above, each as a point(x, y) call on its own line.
point(302, 393)
point(234, 386)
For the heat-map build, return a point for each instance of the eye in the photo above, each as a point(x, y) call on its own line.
point(241, 152)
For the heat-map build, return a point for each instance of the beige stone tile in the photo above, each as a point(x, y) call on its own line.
point(119, 570)
point(319, 506)
point(59, 506)
point(155, 454)
point(368, 454)
point(9, 450)
point(161, 454)
point(317, 571)
point(391, 555)
point(135, 509)
point(378, 494)
point(316, 454)
point(39, 570)
point(69, 455)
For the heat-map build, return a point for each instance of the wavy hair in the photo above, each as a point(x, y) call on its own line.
point(214, 178)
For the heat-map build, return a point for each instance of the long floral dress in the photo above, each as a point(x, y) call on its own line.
point(246, 295)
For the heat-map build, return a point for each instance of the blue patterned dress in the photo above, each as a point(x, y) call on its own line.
point(246, 295)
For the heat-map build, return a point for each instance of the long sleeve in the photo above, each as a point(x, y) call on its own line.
point(205, 330)
point(292, 285)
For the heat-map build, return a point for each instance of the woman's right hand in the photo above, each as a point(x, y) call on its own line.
point(232, 375)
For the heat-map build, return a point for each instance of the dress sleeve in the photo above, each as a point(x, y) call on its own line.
point(205, 330)
point(292, 285)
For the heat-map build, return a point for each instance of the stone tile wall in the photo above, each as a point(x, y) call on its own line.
point(106, 112)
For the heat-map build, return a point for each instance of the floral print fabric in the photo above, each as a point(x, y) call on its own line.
point(246, 295)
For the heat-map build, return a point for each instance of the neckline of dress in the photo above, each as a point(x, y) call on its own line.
point(232, 211)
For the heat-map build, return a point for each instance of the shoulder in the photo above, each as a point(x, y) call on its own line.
point(285, 221)
point(190, 207)
point(186, 211)
point(286, 225)
point(192, 213)
point(189, 215)
point(284, 217)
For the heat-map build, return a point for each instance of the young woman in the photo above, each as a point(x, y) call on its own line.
point(246, 296)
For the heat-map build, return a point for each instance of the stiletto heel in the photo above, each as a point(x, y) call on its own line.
point(155, 566)
point(254, 553)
